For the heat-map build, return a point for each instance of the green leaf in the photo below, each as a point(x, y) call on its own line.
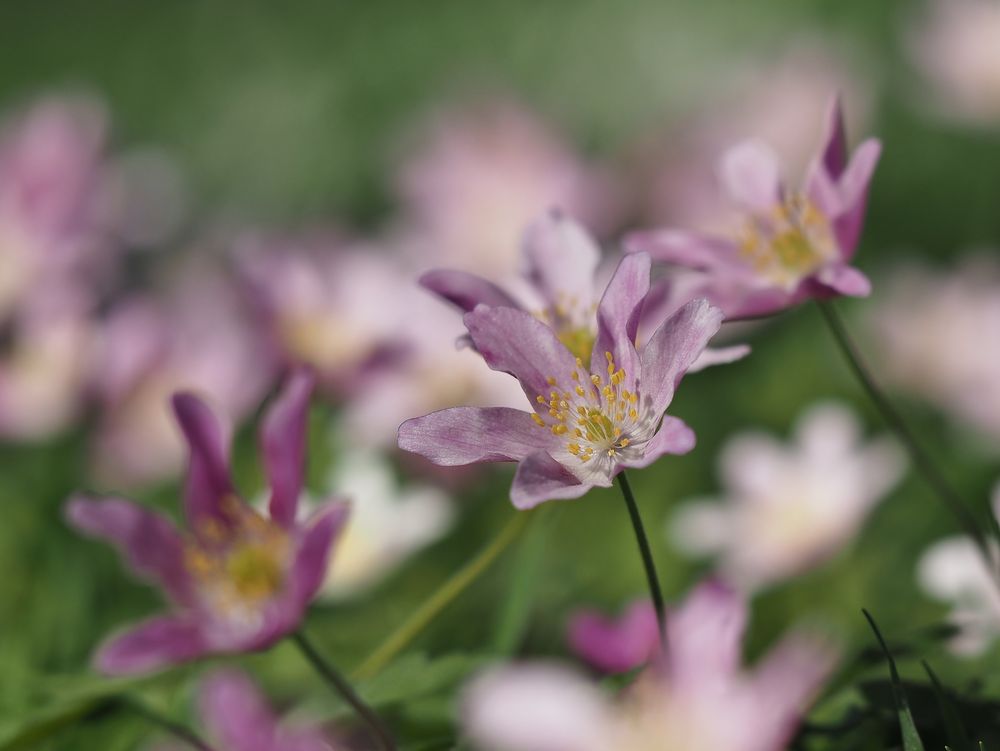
point(955, 729)
point(907, 727)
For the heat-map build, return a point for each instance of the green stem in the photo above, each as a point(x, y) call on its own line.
point(921, 459)
point(340, 685)
point(176, 729)
point(449, 591)
point(647, 557)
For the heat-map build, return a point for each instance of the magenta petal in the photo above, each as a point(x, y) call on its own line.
point(705, 635)
point(835, 143)
point(673, 437)
point(562, 259)
point(208, 480)
point(674, 347)
point(845, 280)
point(236, 713)
point(618, 317)
point(151, 544)
point(152, 645)
point(470, 435)
point(515, 342)
point(541, 478)
point(853, 188)
point(465, 290)
point(750, 175)
point(313, 554)
point(283, 446)
point(616, 646)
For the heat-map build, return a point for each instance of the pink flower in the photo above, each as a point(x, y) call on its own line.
point(236, 581)
point(481, 175)
point(790, 507)
point(698, 696)
point(956, 49)
point(616, 645)
point(193, 336)
point(592, 418)
point(786, 246)
point(239, 718)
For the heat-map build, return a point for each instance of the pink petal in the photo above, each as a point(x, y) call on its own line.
point(750, 175)
point(152, 645)
point(562, 259)
point(712, 356)
point(705, 635)
point(834, 152)
point(673, 348)
point(845, 280)
point(515, 342)
point(315, 548)
point(673, 437)
point(616, 646)
point(541, 478)
point(283, 446)
point(470, 435)
point(208, 480)
point(618, 318)
point(695, 250)
point(466, 291)
point(853, 188)
point(150, 543)
point(236, 713)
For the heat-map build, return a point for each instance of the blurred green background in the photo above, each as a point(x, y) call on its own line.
point(281, 113)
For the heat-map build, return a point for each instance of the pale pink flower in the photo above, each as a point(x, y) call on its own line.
point(956, 48)
point(699, 698)
point(790, 507)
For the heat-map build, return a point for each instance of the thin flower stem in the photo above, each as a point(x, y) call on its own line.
point(442, 597)
point(176, 729)
point(920, 457)
point(647, 557)
point(340, 685)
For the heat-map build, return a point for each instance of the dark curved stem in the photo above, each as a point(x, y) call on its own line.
point(922, 460)
point(340, 685)
point(176, 729)
point(647, 557)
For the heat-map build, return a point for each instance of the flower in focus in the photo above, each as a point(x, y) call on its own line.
point(616, 645)
point(953, 570)
point(591, 419)
point(195, 336)
point(788, 508)
point(784, 246)
point(697, 697)
point(387, 524)
point(480, 177)
point(236, 580)
point(239, 718)
point(931, 328)
point(956, 49)
point(325, 303)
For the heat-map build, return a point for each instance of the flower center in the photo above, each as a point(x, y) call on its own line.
point(788, 243)
point(598, 419)
point(239, 566)
point(573, 324)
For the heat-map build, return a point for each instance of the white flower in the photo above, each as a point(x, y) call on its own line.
point(388, 524)
point(788, 507)
point(953, 570)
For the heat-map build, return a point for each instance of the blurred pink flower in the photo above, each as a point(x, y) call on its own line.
point(697, 697)
point(53, 213)
point(953, 570)
point(592, 418)
point(773, 102)
point(955, 46)
point(481, 174)
point(237, 581)
point(783, 247)
point(196, 335)
point(789, 507)
point(936, 338)
point(616, 645)
point(326, 302)
point(239, 718)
